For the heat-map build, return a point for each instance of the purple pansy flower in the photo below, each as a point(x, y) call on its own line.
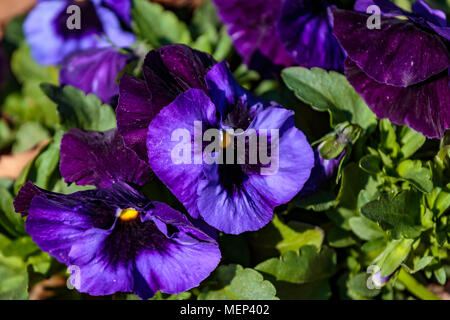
point(117, 239)
point(168, 72)
point(306, 31)
point(94, 71)
point(285, 32)
point(408, 86)
point(51, 40)
point(233, 198)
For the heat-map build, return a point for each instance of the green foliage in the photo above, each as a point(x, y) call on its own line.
point(233, 282)
point(329, 91)
point(277, 238)
point(399, 214)
point(31, 104)
point(158, 26)
point(80, 111)
point(13, 279)
point(306, 265)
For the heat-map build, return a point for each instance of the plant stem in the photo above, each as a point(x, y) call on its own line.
point(415, 287)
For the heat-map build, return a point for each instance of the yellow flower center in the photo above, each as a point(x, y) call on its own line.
point(129, 214)
point(226, 140)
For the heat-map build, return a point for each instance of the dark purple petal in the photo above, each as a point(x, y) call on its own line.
point(108, 254)
point(386, 55)
point(422, 15)
point(182, 179)
point(171, 70)
point(134, 112)
point(23, 200)
point(100, 159)
point(425, 107)
point(168, 72)
point(56, 221)
point(226, 93)
point(94, 71)
point(187, 259)
point(306, 32)
point(252, 27)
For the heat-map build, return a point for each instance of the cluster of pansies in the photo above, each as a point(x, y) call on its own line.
point(122, 237)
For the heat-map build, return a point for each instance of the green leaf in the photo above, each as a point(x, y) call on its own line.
point(158, 26)
point(162, 296)
point(9, 219)
point(233, 282)
point(205, 22)
point(329, 91)
point(370, 164)
point(410, 142)
point(413, 172)
point(321, 200)
point(422, 263)
point(41, 263)
point(400, 213)
point(319, 290)
point(353, 181)
point(393, 256)
point(28, 136)
point(32, 104)
point(440, 275)
point(340, 238)
point(47, 162)
point(21, 247)
point(358, 286)
point(13, 278)
point(26, 69)
point(388, 138)
point(307, 265)
point(80, 111)
point(365, 229)
point(277, 238)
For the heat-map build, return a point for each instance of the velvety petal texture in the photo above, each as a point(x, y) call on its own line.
point(231, 197)
point(425, 107)
point(51, 40)
point(409, 87)
point(165, 133)
point(100, 159)
point(109, 254)
point(94, 71)
point(168, 72)
point(306, 31)
point(252, 27)
point(385, 55)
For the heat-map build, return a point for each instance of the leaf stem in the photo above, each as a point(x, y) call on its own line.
point(415, 287)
